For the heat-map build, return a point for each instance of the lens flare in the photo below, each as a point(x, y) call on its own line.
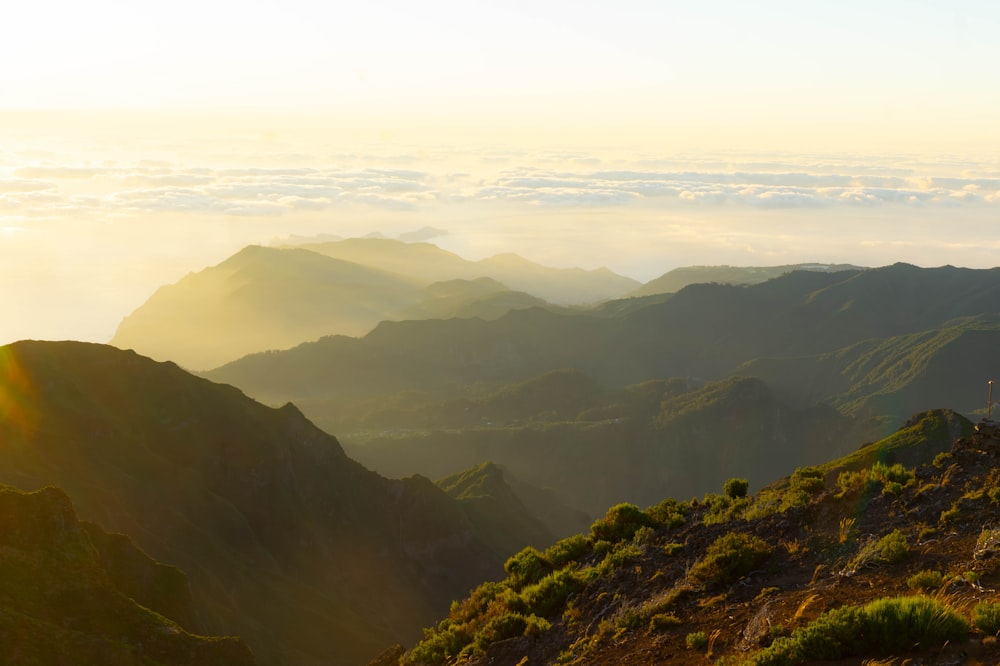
point(17, 413)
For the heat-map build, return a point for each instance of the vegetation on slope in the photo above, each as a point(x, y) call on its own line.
point(827, 564)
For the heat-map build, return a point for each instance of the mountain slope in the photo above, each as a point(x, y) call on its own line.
point(832, 565)
point(288, 542)
point(894, 376)
point(71, 594)
point(262, 298)
point(500, 518)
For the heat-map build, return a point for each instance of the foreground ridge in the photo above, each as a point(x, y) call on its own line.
point(904, 530)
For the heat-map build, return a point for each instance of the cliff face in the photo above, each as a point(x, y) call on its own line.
point(62, 603)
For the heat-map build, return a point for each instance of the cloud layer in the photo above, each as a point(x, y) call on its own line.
point(43, 190)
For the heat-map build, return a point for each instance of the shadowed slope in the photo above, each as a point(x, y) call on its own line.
point(287, 541)
point(72, 594)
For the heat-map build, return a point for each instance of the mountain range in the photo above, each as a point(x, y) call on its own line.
point(265, 298)
point(533, 417)
point(674, 280)
point(800, 368)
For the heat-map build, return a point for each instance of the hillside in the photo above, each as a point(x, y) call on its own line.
point(288, 542)
point(886, 376)
point(72, 594)
point(678, 278)
point(863, 558)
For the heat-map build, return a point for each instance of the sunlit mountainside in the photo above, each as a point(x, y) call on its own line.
point(274, 298)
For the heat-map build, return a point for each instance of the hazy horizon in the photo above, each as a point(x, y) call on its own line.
point(139, 144)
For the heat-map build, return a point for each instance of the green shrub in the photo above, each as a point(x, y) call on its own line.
point(662, 621)
point(729, 558)
point(925, 581)
point(895, 474)
point(848, 481)
point(696, 640)
point(440, 645)
point(669, 512)
point(735, 488)
point(892, 548)
point(619, 553)
point(950, 515)
point(892, 488)
point(986, 617)
point(537, 625)
point(672, 548)
point(808, 479)
point(941, 459)
point(567, 550)
point(621, 523)
point(478, 601)
point(994, 494)
point(508, 625)
point(549, 595)
point(527, 567)
point(880, 627)
point(630, 617)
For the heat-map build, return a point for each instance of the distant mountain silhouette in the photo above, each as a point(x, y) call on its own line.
point(262, 298)
point(429, 396)
point(275, 298)
point(556, 285)
point(705, 331)
point(73, 593)
point(678, 278)
point(288, 542)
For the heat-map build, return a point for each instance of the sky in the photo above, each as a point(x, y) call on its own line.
point(142, 141)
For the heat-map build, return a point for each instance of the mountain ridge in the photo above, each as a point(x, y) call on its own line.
point(287, 540)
